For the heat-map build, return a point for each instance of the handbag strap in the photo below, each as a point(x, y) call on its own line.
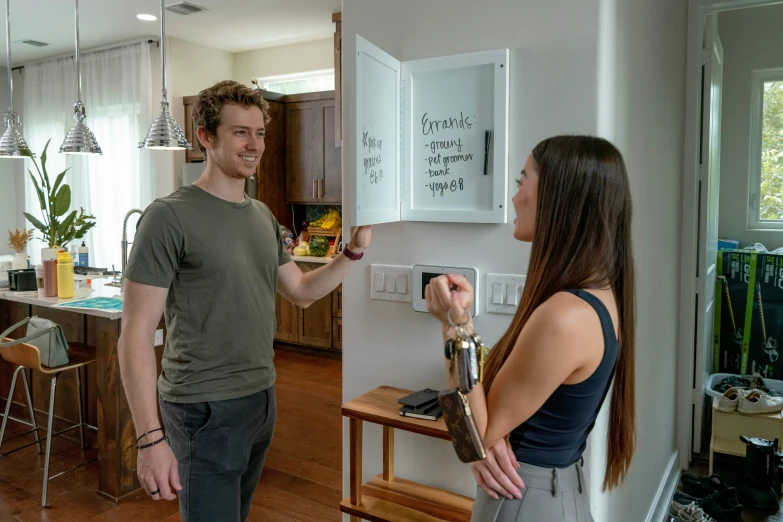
point(6, 344)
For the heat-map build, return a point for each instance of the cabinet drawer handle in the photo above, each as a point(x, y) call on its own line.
point(321, 188)
point(313, 188)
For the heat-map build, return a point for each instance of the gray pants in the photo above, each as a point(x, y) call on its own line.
point(220, 448)
point(550, 495)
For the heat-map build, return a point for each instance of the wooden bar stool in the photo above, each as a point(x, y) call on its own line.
point(27, 356)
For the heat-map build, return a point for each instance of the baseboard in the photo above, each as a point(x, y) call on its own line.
point(663, 497)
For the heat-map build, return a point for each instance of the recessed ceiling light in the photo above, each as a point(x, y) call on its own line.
point(147, 17)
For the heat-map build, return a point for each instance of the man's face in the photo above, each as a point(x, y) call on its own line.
point(239, 143)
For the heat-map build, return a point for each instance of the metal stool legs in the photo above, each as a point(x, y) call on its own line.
point(49, 438)
point(29, 409)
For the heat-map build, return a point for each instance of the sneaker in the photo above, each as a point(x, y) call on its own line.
point(729, 401)
point(756, 402)
point(721, 505)
point(688, 513)
point(701, 487)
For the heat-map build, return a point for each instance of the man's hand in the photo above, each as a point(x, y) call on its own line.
point(360, 238)
point(158, 474)
point(497, 473)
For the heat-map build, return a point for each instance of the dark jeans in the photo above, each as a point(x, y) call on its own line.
point(220, 448)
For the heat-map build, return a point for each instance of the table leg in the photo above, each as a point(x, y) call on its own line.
point(388, 453)
point(356, 463)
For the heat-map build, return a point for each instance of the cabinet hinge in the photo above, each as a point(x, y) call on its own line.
point(706, 56)
point(700, 285)
point(698, 395)
point(702, 173)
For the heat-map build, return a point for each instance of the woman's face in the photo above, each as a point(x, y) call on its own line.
point(525, 202)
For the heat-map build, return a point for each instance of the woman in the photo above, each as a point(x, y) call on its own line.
point(548, 375)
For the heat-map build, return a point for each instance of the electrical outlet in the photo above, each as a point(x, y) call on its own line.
point(158, 337)
point(391, 283)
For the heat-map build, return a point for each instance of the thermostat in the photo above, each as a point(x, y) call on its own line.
point(423, 274)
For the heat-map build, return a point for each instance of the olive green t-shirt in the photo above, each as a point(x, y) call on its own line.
point(219, 261)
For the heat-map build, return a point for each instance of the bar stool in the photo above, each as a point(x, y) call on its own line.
point(26, 356)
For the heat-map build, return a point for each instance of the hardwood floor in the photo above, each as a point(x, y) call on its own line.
point(302, 479)
point(731, 470)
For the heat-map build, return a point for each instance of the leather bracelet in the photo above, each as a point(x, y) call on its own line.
point(165, 437)
point(145, 434)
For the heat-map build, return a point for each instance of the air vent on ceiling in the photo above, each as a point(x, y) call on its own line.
point(34, 43)
point(184, 8)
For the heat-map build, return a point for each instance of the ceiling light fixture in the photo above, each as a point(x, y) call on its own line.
point(165, 133)
point(146, 17)
point(80, 139)
point(12, 143)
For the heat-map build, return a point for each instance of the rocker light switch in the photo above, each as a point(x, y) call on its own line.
point(379, 282)
point(389, 282)
point(402, 283)
point(497, 293)
point(508, 284)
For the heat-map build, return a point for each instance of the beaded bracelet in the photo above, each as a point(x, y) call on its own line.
point(145, 434)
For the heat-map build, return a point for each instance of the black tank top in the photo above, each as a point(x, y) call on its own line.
point(556, 435)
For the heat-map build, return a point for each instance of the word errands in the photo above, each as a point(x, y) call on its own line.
point(432, 126)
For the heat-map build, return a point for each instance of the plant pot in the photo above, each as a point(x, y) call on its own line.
point(20, 261)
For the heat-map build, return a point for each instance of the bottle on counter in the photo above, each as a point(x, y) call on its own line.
point(84, 255)
point(49, 260)
point(65, 282)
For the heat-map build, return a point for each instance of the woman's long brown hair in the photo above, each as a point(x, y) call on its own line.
point(582, 239)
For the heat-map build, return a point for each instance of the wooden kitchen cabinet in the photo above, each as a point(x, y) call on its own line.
point(190, 131)
point(314, 323)
point(313, 163)
point(286, 314)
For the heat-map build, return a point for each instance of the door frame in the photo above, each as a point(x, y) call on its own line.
point(698, 10)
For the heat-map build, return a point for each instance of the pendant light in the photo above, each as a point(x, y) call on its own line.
point(165, 133)
point(12, 143)
point(80, 139)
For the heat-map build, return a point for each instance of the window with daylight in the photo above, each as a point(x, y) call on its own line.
point(766, 149)
point(298, 83)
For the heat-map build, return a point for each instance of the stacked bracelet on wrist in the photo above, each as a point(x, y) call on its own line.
point(153, 442)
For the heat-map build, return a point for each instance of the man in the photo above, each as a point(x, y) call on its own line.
point(213, 259)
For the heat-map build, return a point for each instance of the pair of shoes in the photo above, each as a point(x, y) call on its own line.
point(689, 513)
point(701, 487)
point(721, 505)
point(749, 402)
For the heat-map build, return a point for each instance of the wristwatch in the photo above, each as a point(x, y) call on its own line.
point(351, 255)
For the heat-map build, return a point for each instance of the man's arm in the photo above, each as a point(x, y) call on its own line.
point(141, 313)
point(303, 289)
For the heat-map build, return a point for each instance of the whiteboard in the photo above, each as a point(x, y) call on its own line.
point(456, 128)
point(375, 168)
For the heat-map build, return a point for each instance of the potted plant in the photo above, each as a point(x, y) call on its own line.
point(18, 240)
point(59, 227)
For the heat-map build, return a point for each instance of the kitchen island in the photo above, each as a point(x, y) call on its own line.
point(106, 406)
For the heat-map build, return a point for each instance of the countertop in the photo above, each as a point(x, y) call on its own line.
point(97, 288)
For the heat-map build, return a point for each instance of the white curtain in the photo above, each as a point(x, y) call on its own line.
point(116, 91)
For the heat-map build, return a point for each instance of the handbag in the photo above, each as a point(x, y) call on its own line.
point(45, 335)
point(467, 355)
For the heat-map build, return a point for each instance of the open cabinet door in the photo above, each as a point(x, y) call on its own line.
point(709, 182)
point(375, 138)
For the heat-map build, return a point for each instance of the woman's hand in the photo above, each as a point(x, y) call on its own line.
point(497, 474)
point(449, 293)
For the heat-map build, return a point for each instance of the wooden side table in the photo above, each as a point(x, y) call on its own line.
point(727, 428)
point(386, 498)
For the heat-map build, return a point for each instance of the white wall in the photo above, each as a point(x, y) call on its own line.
point(584, 67)
point(645, 118)
point(286, 59)
point(752, 39)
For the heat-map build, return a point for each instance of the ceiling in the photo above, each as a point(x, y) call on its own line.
point(230, 25)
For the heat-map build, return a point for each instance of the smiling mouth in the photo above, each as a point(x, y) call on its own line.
point(249, 159)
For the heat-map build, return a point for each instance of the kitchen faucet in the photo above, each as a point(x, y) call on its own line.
point(125, 239)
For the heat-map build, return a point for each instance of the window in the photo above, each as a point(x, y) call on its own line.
point(766, 150)
point(298, 83)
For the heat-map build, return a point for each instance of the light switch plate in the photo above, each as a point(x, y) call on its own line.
point(503, 282)
point(391, 287)
point(158, 337)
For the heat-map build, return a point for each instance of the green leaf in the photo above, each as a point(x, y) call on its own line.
point(62, 201)
point(62, 230)
point(43, 164)
point(58, 181)
point(37, 224)
point(38, 190)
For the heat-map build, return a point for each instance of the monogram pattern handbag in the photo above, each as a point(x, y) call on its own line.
point(467, 355)
point(44, 334)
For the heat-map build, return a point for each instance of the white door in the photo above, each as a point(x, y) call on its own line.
point(709, 182)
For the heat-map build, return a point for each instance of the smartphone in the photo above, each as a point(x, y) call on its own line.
point(419, 398)
point(431, 412)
